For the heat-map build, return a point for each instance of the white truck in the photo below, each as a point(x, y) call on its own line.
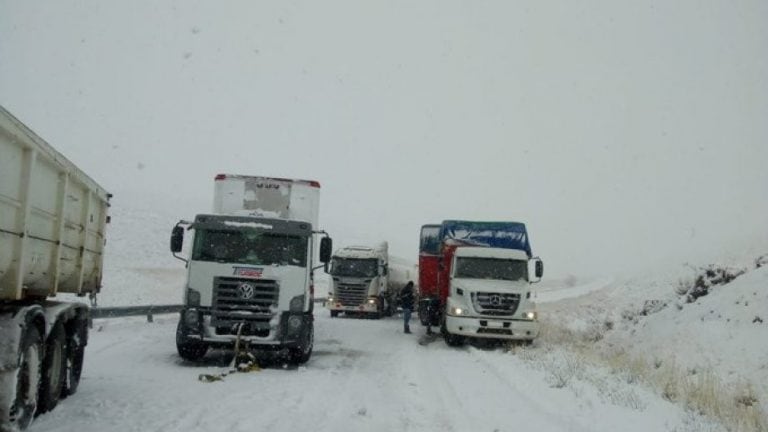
point(250, 268)
point(360, 282)
point(52, 236)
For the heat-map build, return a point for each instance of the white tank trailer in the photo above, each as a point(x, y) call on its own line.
point(366, 281)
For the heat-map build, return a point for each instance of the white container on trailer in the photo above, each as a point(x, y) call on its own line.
point(267, 197)
point(52, 236)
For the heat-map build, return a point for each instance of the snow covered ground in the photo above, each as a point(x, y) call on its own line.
point(364, 375)
point(367, 375)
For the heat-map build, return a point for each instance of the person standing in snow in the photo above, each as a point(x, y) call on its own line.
point(406, 302)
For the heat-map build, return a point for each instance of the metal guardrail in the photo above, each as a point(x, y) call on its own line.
point(146, 310)
point(125, 311)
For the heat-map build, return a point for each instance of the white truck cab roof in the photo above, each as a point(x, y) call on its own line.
point(486, 252)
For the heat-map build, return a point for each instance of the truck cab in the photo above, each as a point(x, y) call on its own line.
point(475, 280)
point(360, 283)
point(249, 272)
point(489, 295)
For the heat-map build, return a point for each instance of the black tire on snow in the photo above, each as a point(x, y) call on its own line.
point(303, 352)
point(334, 313)
point(77, 338)
point(189, 350)
point(453, 340)
point(24, 403)
point(450, 339)
point(54, 369)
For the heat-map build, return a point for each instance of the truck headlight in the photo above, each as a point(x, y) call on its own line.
point(531, 315)
point(458, 311)
point(372, 301)
point(297, 303)
point(193, 297)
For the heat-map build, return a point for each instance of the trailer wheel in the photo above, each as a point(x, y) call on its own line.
point(23, 406)
point(303, 352)
point(54, 369)
point(334, 313)
point(390, 309)
point(77, 338)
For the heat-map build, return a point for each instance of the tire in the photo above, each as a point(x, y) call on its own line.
point(54, 369)
point(453, 340)
point(189, 350)
point(390, 309)
point(423, 318)
point(450, 339)
point(77, 338)
point(21, 412)
point(334, 313)
point(303, 352)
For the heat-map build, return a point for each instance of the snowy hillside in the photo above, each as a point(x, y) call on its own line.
point(717, 340)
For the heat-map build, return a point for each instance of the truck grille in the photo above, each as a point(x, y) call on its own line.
point(498, 304)
point(351, 294)
point(246, 301)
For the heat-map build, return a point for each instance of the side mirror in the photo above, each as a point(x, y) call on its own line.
point(177, 239)
point(326, 247)
point(384, 270)
point(539, 268)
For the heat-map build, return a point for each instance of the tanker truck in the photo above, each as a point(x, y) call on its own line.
point(475, 281)
point(250, 268)
point(52, 236)
point(360, 282)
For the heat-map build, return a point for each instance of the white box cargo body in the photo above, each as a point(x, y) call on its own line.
point(267, 197)
point(52, 219)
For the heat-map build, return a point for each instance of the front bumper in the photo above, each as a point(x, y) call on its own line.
point(285, 331)
point(365, 307)
point(492, 328)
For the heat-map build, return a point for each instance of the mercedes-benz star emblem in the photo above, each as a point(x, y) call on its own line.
point(245, 291)
point(496, 300)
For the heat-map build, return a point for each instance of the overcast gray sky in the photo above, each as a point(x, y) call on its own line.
point(623, 133)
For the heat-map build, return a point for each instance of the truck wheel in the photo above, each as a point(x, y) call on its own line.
point(453, 340)
point(334, 313)
point(189, 350)
point(423, 317)
point(22, 409)
point(77, 338)
point(54, 369)
point(303, 352)
point(450, 339)
point(390, 309)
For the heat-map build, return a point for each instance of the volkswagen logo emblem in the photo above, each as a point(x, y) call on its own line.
point(496, 300)
point(245, 291)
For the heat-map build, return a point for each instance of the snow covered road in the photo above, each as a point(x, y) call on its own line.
point(364, 375)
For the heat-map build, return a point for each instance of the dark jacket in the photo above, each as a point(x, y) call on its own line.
point(407, 296)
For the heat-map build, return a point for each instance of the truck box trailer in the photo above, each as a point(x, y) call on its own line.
point(53, 221)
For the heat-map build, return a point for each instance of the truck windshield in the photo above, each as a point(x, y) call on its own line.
point(249, 246)
point(354, 267)
point(491, 268)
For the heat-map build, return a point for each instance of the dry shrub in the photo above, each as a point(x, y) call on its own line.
point(736, 406)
